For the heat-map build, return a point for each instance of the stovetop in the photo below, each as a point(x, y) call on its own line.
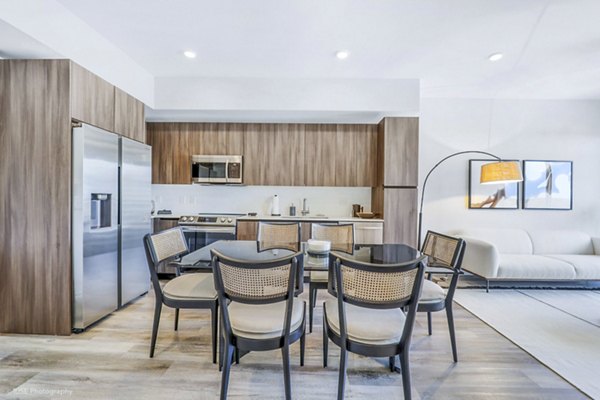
point(222, 219)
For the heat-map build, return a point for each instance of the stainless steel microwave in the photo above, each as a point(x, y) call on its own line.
point(217, 169)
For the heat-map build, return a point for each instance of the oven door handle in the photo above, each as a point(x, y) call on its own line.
point(209, 229)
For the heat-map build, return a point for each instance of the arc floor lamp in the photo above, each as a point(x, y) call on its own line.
point(497, 171)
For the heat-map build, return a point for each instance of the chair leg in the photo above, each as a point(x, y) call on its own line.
point(237, 355)
point(404, 365)
point(325, 344)
point(157, 310)
point(227, 355)
point(342, 378)
point(221, 348)
point(392, 363)
point(285, 352)
point(311, 305)
point(302, 347)
point(214, 316)
point(450, 317)
point(429, 323)
point(176, 318)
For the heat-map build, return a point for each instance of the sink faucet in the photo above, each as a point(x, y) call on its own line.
point(305, 211)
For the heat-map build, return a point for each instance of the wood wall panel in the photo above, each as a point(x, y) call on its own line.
point(35, 182)
point(400, 216)
point(129, 116)
point(366, 156)
point(92, 98)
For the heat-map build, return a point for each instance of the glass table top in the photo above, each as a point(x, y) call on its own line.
point(264, 251)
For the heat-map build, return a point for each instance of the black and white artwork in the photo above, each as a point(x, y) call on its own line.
point(501, 196)
point(547, 185)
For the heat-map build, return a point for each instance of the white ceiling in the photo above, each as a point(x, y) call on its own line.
point(552, 48)
point(16, 44)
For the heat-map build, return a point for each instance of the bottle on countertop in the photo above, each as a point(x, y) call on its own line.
point(292, 210)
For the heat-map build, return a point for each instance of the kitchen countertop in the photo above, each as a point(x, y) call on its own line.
point(310, 218)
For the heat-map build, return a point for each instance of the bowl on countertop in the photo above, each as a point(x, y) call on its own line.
point(366, 215)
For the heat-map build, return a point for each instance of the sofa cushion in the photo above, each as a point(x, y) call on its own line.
point(586, 266)
point(534, 267)
point(561, 242)
point(507, 241)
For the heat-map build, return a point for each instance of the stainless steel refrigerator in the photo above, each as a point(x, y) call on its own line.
point(111, 214)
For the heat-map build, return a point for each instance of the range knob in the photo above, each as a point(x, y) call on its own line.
point(222, 219)
point(184, 219)
point(230, 220)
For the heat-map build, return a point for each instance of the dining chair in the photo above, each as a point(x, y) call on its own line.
point(279, 234)
point(259, 311)
point(444, 256)
point(342, 239)
point(189, 291)
point(368, 316)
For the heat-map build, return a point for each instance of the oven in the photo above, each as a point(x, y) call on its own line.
point(217, 169)
point(202, 230)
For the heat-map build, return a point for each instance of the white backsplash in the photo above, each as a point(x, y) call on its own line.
point(193, 199)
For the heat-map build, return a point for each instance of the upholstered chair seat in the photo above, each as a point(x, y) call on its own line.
point(263, 321)
point(432, 293)
point(367, 325)
point(191, 286)
point(319, 276)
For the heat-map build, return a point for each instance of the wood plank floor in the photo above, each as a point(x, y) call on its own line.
point(110, 361)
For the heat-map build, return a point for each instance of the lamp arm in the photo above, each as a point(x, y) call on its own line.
point(429, 174)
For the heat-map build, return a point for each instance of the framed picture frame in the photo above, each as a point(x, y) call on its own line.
point(547, 185)
point(502, 196)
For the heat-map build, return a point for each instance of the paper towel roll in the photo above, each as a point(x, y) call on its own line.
point(275, 207)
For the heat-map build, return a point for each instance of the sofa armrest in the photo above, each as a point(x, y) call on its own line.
point(481, 258)
point(596, 244)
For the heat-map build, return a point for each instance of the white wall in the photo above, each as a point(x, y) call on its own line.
point(519, 129)
point(193, 199)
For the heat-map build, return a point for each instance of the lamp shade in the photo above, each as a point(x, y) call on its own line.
point(501, 172)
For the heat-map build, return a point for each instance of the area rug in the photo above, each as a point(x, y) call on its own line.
point(560, 328)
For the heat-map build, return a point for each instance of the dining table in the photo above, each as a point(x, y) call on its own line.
point(251, 250)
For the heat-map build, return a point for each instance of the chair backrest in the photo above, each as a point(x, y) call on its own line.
point(443, 250)
point(341, 236)
point(278, 235)
point(161, 247)
point(254, 282)
point(378, 286)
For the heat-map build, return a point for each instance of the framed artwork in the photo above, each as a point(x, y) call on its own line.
point(547, 185)
point(504, 196)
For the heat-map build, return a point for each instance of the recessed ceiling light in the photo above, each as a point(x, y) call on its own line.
point(342, 54)
point(189, 54)
point(496, 56)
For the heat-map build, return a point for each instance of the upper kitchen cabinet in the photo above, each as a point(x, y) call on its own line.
point(398, 151)
point(214, 139)
point(92, 98)
point(129, 116)
point(320, 149)
point(171, 156)
point(356, 155)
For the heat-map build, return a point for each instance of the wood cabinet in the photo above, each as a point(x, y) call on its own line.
point(398, 151)
point(356, 155)
point(171, 158)
point(247, 230)
point(92, 98)
point(160, 224)
point(320, 154)
point(398, 207)
point(368, 232)
point(35, 204)
point(274, 154)
point(129, 116)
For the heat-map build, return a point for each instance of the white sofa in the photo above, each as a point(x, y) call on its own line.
point(516, 254)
